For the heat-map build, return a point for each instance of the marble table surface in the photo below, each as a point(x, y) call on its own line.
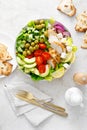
point(14, 14)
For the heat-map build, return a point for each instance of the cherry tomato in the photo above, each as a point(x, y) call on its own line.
point(38, 52)
point(42, 68)
point(30, 56)
point(42, 46)
point(39, 60)
point(44, 62)
point(46, 55)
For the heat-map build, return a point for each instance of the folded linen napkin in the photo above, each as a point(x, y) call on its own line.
point(37, 116)
point(33, 113)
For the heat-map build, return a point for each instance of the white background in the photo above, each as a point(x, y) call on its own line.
point(14, 14)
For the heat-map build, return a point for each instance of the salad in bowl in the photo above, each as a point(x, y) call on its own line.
point(44, 49)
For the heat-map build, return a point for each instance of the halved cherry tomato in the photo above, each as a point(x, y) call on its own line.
point(38, 52)
point(30, 56)
point(42, 46)
point(39, 60)
point(42, 68)
point(46, 55)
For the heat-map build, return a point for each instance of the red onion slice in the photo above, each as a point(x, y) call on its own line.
point(66, 34)
point(59, 27)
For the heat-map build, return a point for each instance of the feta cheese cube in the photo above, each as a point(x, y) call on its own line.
point(69, 48)
point(53, 39)
point(66, 66)
point(60, 36)
point(63, 55)
point(49, 25)
point(63, 40)
point(30, 36)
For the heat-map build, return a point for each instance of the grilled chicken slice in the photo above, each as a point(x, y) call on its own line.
point(59, 47)
point(55, 55)
point(52, 36)
point(52, 62)
point(55, 43)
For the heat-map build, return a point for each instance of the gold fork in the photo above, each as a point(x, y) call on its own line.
point(28, 97)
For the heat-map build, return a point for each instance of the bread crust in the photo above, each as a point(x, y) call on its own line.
point(81, 25)
point(67, 7)
point(84, 46)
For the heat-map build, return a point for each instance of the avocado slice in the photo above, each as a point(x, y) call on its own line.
point(46, 72)
point(29, 61)
point(21, 67)
point(30, 65)
point(28, 70)
point(20, 61)
point(36, 71)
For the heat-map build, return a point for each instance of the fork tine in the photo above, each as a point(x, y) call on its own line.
point(26, 94)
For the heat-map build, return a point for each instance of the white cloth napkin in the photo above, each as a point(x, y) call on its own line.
point(33, 113)
point(37, 116)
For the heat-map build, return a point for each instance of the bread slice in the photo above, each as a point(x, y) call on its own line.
point(81, 25)
point(67, 7)
point(84, 45)
point(8, 56)
point(2, 46)
point(4, 54)
point(5, 68)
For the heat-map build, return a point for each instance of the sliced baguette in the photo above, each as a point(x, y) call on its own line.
point(67, 7)
point(81, 25)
